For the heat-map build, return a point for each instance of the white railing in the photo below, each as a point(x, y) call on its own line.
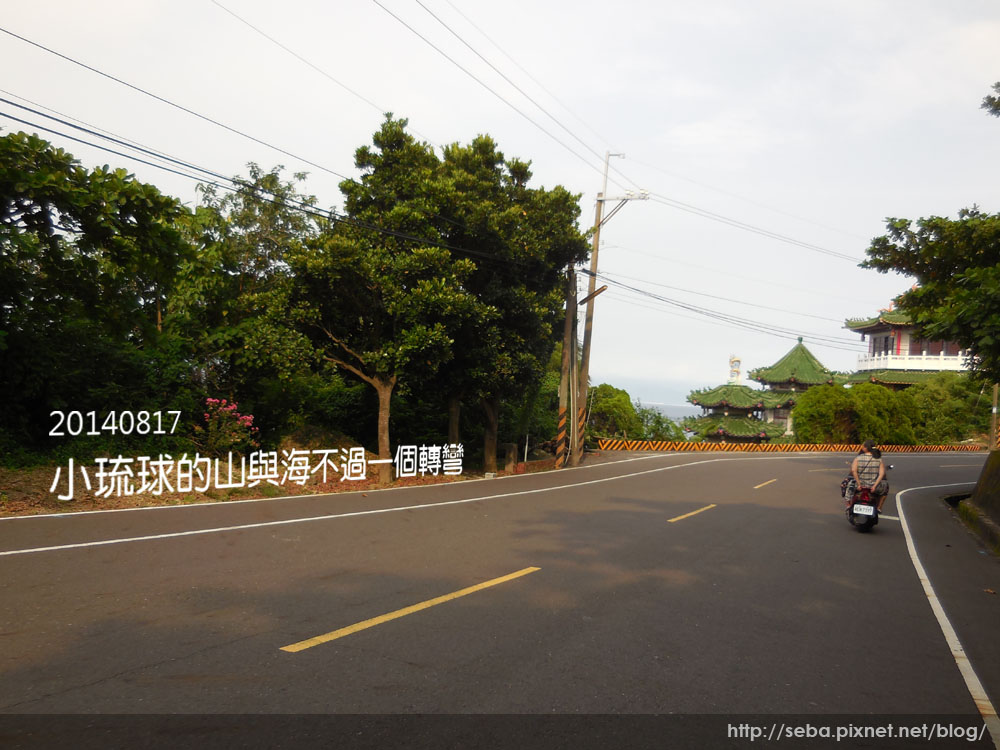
point(910, 362)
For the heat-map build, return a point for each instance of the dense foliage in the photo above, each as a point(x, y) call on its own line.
point(441, 282)
point(949, 408)
point(957, 266)
point(613, 414)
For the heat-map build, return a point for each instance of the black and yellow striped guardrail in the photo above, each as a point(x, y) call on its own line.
point(613, 444)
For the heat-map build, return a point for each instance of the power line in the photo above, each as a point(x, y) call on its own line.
point(624, 298)
point(121, 142)
point(659, 198)
point(102, 148)
point(76, 119)
point(233, 185)
point(488, 88)
point(736, 223)
point(527, 72)
point(508, 80)
point(748, 200)
point(732, 319)
point(720, 272)
point(723, 299)
point(174, 104)
point(663, 199)
point(673, 203)
point(793, 336)
point(203, 117)
point(300, 58)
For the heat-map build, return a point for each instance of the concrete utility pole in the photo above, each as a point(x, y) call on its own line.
point(599, 219)
point(562, 437)
point(993, 419)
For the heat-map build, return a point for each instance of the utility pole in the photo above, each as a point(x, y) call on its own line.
point(562, 437)
point(574, 385)
point(993, 419)
point(599, 219)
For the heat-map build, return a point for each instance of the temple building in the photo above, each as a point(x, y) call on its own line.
point(732, 413)
point(738, 413)
point(896, 356)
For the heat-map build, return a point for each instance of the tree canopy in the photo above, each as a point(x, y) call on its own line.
point(992, 103)
point(441, 278)
point(949, 408)
point(957, 266)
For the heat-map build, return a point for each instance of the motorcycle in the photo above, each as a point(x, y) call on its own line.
point(861, 511)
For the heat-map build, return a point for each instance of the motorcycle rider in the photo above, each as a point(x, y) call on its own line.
point(868, 470)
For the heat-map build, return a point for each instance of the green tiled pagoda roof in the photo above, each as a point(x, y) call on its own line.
point(885, 317)
point(798, 366)
point(893, 377)
point(737, 396)
point(742, 427)
point(779, 399)
point(741, 397)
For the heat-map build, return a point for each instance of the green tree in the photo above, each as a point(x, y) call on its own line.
point(612, 413)
point(656, 426)
point(992, 103)
point(522, 239)
point(825, 414)
point(957, 267)
point(377, 291)
point(231, 302)
point(866, 411)
point(882, 415)
point(951, 407)
point(88, 260)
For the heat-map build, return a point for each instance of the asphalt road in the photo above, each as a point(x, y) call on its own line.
point(763, 601)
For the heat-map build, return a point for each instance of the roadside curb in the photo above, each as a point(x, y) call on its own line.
point(976, 520)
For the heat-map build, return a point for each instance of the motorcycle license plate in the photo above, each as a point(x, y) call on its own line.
point(864, 510)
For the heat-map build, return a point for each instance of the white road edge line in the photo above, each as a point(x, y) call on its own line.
point(226, 503)
point(972, 682)
point(376, 511)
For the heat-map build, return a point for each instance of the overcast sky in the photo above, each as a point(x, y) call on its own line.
point(812, 121)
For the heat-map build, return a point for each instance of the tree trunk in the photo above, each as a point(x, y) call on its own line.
point(491, 407)
point(454, 412)
point(384, 386)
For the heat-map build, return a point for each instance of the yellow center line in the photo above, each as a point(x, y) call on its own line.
point(764, 484)
point(334, 635)
point(692, 513)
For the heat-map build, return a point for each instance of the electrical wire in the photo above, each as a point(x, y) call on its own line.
point(491, 90)
point(720, 272)
point(736, 223)
point(630, 300)
point(748, 200)
point(527, 73)
point(234, 185)
point(656, 197)
point(735, 320)
point(170, 103)
point(76, 119)
point(673, 203)
point(300, 58)
point(508, 80)
point(723, 299)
